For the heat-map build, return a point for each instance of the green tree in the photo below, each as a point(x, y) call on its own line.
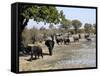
point(46, 14)
point(94, 30)
point(76, 25)
point(61, 16)
point(88, 28)
point(94, 25)
point(66, 24)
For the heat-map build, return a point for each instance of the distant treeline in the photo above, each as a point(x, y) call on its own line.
point(39, 35)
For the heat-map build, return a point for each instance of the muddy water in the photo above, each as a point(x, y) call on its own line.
point(83, 57)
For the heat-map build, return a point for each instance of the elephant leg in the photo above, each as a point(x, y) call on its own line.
point(31, 53)
point(41, 55)
point(31, 56)
point(35, 56)
point(50, 51)
point(38, 55)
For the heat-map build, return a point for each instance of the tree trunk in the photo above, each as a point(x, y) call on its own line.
point(21, 27)
point(75, 31)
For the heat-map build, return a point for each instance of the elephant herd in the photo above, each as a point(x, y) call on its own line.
point(37, 51)
point(67, 39)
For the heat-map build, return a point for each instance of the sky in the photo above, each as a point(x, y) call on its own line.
point(85, 15)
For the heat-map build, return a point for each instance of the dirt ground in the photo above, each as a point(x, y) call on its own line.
point(75, 55)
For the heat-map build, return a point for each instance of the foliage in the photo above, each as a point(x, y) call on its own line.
point(94, 30)
point(88, 28)
point(66, 24)
point(76, 24)
point(46, 14)
point(62, 16)
point(81, 30)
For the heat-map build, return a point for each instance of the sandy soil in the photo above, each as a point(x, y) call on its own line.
point(75, 55)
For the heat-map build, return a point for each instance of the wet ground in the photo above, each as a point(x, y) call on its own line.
point(75, 55)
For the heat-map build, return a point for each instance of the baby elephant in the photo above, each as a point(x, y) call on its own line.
point(36, 51)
